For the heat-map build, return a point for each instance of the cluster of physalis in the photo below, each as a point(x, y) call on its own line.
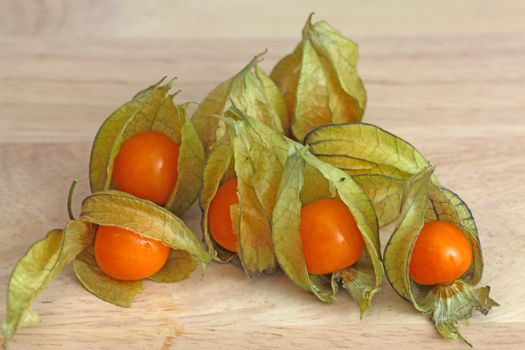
point(288, 177)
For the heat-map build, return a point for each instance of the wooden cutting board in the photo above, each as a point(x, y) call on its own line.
point(459, 98)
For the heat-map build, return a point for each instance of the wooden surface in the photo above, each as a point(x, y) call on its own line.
point(446, 75)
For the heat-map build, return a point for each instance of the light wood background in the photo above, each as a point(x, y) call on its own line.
point(449, 76)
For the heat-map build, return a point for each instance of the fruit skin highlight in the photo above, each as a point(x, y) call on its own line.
point(147, 166)
point(128, 256)
point(331, 239)
point(219, 219)
point(441, 254)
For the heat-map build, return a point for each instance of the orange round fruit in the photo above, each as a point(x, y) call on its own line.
point(331, 239)
point(441, 254)
point(219, 219)
point(146, 166)
point(128, 256)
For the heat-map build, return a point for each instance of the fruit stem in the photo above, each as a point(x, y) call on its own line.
point(70, 198)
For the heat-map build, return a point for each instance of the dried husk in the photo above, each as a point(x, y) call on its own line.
point(254, 154)
point(446, 304)
point(319, 80)
point(46, 258)
point(251, 91)
point(37, 268)
point(363, 279)
point(379, 161)
point(119, 209)
point(152, 109)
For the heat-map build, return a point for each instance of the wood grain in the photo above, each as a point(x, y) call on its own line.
point(447, 76)
point(255, 18)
